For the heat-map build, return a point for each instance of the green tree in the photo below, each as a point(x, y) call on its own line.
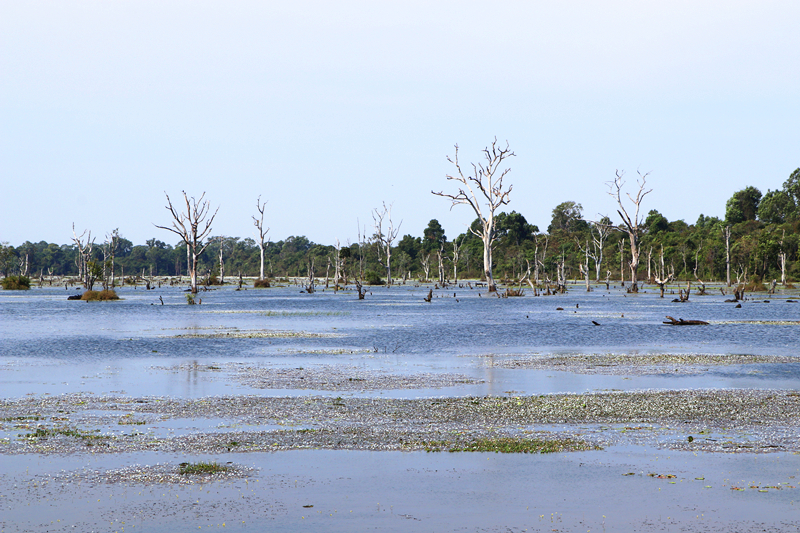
point(566, 216)
point(433, 236)
point(776, 207)
point(743, 205)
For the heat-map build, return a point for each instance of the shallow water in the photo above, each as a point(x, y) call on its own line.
point(139, 347)
point(392, 491)
point(51, 345)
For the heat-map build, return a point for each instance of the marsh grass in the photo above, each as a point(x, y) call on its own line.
point(88, 437)
point(261, 284)
point(510, 445)
point(99, 296)
point(194, 469)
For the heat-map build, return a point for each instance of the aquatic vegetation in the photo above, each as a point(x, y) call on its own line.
point(97, 296)
point(512, 445)
point(87, 437)
point(200, 468)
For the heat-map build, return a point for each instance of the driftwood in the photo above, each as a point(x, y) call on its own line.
point(682, 322)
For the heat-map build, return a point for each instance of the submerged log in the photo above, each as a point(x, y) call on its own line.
point(682, 322)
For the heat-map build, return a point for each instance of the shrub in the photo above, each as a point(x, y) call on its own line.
point(261, 284)
point(372, 278)
point(213, 280)
point(755, 286)
point(97, 296)
point(16, 283)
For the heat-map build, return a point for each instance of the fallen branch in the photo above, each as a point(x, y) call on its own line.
point(682, 322)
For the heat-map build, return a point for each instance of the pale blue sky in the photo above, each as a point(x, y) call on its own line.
point(328, 109)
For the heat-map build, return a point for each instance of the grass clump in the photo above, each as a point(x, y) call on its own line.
point(261, 284)
point(16, 283)
point(193, 469)
point(99, 296)
point(88, 438)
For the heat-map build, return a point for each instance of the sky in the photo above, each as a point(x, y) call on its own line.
point(329, 109)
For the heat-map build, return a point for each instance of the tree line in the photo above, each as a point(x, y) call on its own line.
point(756, 242)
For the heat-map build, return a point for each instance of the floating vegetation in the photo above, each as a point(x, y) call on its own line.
point(280, 313)
point(733, 421)
point(627, 364)
point(344, 378)
point(512, 445)
point(194, 469)
point(255, 334)
point(87, 437)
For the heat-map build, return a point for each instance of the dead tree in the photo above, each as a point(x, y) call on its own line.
point(600, 232)
point(631, 224)
point(537, 259)
point(488, 179)
point(702, 290)
point(86, 267)
point(310, 287)
point(425, 261)
point(456, 253)
point(561, 274)
point(662, 277)
point(192, 226)
point(383, 218)
point(261, 232)
point(584, 267)
point(338, 266)
point(112, 241)
point(782, 260)
point(221, 261)
point(440, 257)
point(727, 234)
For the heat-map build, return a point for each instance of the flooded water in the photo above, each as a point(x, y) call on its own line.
point(51, 345)
point(151, 343)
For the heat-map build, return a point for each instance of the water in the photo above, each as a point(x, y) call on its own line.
point(137, 347)
point(53, 345)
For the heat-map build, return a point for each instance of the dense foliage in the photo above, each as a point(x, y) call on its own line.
point(764, 236)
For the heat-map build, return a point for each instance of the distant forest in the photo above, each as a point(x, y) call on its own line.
point(759, 234)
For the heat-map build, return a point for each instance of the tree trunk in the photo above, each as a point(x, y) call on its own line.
point(487, 262)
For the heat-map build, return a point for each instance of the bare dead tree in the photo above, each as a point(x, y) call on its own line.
point(584, 267)
point(192, 226)
point(261, 232)
point(631, 224)
point(112, 241)
point(86, 271)
point(727, 233)
point(338, 262)
point(383, 220)
point(782, 260)
point(539, 259)
point(425, 262)
point(440, 257)
point(487, 178)
point(662, 277)
point(702, 290)
point(456, 253)
point(600, 232)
